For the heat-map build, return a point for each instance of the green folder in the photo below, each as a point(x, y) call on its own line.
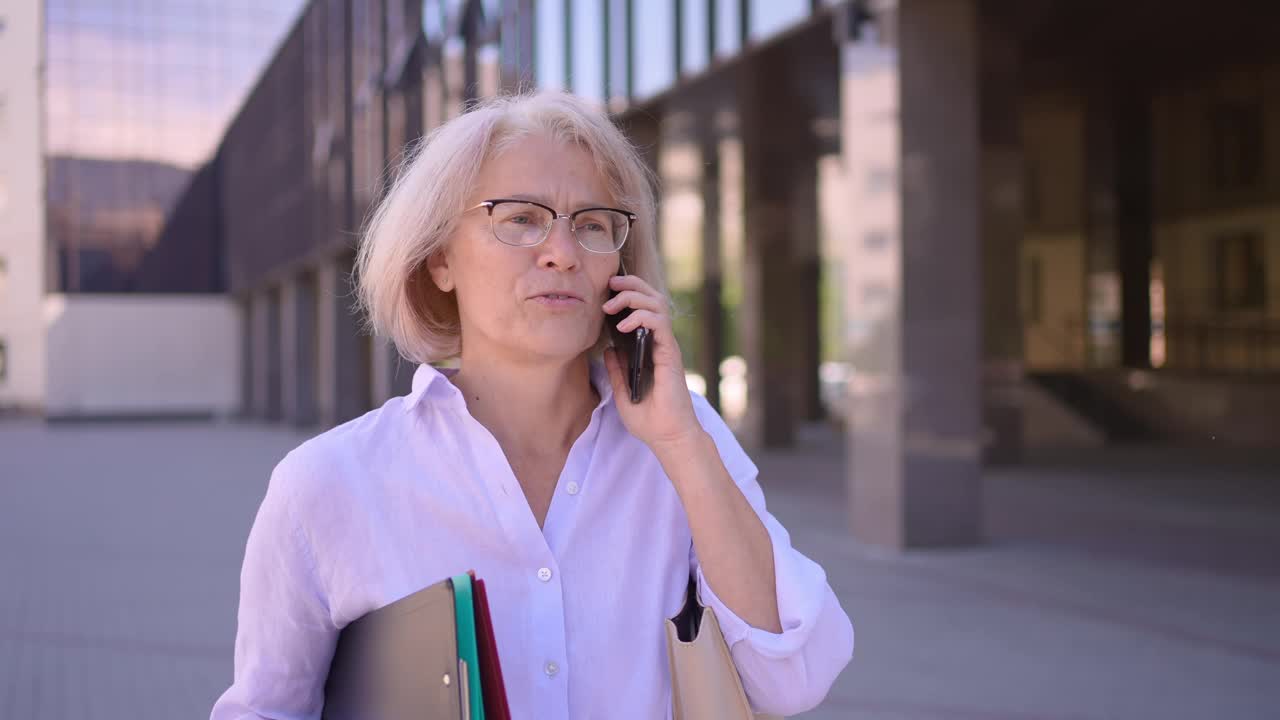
point(465, 614)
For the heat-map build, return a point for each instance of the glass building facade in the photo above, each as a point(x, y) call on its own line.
point(137, 97)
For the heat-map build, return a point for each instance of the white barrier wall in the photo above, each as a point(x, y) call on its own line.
point(22, 247)
point(131, 355)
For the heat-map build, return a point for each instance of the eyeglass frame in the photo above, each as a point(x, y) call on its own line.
point(489, 205)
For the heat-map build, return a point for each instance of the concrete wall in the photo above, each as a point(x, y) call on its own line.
point(1052, 289)
point(1201, 410)
point(22, 259)
point(1047, 423)
point(1198, 211)
point(1193, 212)
point(122, 355)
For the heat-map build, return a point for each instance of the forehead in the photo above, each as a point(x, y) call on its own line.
point(546, 169)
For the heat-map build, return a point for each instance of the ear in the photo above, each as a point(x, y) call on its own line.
point(438, 266)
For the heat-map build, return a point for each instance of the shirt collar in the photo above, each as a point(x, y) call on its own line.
point(429, 380)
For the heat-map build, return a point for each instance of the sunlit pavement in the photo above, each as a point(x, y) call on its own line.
point(1138, 584)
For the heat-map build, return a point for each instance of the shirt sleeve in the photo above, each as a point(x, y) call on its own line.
point(789, 672)
point(285, 637)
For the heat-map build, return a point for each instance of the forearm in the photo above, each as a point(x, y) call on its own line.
point(733, 546)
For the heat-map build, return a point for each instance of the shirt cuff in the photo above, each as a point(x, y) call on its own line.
point(801, 591)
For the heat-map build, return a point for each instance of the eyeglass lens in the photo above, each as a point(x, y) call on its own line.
point(525, 224)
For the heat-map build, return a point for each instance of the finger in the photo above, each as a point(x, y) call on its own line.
point(632, 282)
point(659, 323)
point(634, 299)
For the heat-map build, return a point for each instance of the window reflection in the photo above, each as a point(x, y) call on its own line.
point(695, 37)
point(550, 44)
point(655, 60)
point(588, 49)
point(771, 16)
point(727, 27)
point(137, 97)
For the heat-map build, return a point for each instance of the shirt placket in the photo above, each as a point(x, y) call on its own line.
point(540, 566)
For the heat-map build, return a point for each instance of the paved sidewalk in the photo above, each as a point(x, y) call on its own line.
point(1117, 585)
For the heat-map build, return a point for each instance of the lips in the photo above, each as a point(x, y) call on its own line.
point(559, 295)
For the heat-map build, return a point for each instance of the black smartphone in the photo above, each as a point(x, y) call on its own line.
point(635, 351)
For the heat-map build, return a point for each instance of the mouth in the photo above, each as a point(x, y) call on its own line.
point(558, 298)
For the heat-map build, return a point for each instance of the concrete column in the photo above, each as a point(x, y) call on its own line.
point(1134, 221)
point(778, 303)
point(289, 349)
point(351, 348)
point(343, 373)
point(402, 371)
point(915, 415)
point(807, 255)
point(1103, 304)
point(1002, 232)
point(380, 370)
point(645, 133)
point(259, 355)
point(246, 357)
point(328, 306)
point(275, 357)
point(392, 375)
point(1119, 213)
point(712, 325)
point(298, 350)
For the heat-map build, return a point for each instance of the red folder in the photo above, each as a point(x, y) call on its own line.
point(491, 685)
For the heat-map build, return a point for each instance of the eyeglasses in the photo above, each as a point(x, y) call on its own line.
point(524, 223)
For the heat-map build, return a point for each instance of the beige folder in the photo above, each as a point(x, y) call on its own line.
point(399, 662)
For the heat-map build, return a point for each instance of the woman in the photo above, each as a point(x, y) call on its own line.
point(584, 512)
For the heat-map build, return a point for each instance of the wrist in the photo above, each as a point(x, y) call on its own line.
point(687, 446)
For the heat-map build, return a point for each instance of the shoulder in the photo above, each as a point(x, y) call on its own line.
point(334, 464)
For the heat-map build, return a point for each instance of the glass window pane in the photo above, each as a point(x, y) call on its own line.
point(695, 36)
point(550, 32)
point(618, 48)
point(655, 55)
point(433, 19)
point(770, 16)
point(588, 49)
point(138, 97)
point(726, 27)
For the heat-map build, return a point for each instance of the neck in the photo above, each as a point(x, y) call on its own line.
point(531, 408)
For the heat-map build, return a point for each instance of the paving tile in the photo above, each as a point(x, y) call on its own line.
point(1123, 584)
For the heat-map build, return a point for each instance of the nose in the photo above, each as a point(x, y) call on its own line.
point(560, 250)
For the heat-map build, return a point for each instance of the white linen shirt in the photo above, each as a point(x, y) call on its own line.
point(418, 490)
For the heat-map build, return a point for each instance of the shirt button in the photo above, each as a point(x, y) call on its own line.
point(544, 574)
point(551, 669)
point(573, 488)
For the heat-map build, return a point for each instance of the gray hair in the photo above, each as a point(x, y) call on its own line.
point(419, 212)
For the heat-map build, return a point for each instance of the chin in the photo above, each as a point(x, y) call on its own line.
point(558, 346)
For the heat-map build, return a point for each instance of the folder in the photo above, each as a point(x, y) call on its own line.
point(468, 654)
point(431, 654)
point(493, 689)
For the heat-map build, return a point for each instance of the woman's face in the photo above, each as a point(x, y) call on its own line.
point(503, 291)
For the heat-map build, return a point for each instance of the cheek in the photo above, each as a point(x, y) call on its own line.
point(600, 274)
point(486, 296)
point(486, 283)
